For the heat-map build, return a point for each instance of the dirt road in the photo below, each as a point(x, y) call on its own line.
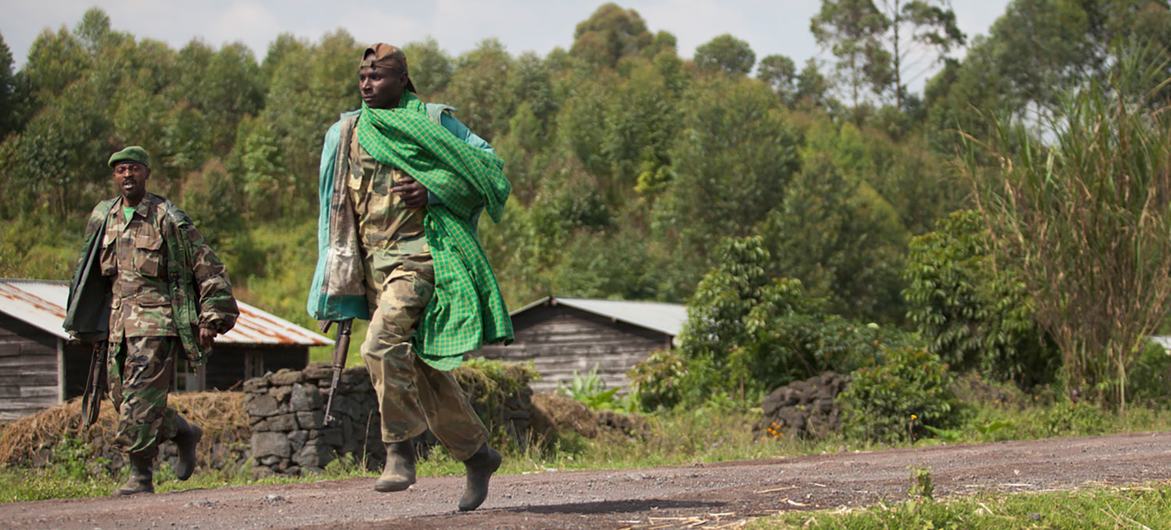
point(710, 494)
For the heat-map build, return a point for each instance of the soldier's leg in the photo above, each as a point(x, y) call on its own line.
point(449, 413)
point(144, 419)
point(387, 353)
point(140, 377)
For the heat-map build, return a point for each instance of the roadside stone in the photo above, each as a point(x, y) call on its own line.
point(297, 440)
point(314, 455)
point(318, 372)
point(270, 460)
point(260, 405)
point(305, 398)
point(256, 385)
point(286, 377)
point(266, 444)
point(280, 393)
point(311, 419)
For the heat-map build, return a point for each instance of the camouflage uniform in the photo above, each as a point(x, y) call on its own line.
point(400, 279)
point(143, 333)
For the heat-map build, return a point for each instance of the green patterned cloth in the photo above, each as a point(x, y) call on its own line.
point(467, 309)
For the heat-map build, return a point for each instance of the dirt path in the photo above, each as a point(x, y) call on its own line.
point(711, 494)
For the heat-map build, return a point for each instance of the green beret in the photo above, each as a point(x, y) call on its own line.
point(133, 153)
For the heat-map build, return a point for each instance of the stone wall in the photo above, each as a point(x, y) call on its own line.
point(286, 411)
point(289, 436)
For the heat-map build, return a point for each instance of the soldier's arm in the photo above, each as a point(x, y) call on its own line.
point(217, 306)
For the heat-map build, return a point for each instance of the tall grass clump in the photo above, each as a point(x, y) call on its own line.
point(1081, 206)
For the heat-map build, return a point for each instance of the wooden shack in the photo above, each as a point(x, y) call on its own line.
point(564, 337)
point(40, 367)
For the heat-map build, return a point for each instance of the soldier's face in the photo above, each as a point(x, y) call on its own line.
point(381, 87)
point(130, 177)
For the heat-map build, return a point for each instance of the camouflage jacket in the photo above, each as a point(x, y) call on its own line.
point(150, 276)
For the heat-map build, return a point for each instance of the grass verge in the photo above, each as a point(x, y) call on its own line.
point(1147, 506)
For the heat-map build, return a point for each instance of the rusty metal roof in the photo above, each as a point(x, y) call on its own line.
point(41, 303)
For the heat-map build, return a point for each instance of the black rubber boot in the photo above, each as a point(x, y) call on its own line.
point(141, 475)
point(480, 468)
point(399, 472)
point(187, 439)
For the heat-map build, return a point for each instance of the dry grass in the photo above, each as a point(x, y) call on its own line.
point(30, 441)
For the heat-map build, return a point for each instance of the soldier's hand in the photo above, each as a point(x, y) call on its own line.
point(413, 193)
point(206, 337)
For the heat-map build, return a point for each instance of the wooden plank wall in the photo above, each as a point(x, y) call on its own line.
point(562, 341)
point(225, 370)
point(28, 369)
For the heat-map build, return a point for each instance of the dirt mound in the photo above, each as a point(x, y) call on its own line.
point(803, 409)
point(555, 414)
point(39, 440)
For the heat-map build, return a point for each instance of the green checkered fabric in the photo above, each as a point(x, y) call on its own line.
point(467, 310)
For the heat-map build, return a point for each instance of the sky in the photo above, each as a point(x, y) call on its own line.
point(769, 26)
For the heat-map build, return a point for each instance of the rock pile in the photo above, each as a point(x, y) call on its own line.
point(803, 409)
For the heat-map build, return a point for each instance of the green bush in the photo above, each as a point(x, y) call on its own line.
point(1149, 379)
point(656, 382)
point(974, 315)
point(748, 333)
point(1073, 419)
point(898, 399)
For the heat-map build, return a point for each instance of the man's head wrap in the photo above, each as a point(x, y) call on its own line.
point(383, 55)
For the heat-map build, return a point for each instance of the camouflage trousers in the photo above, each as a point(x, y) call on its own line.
point(140, 372)
point(413, 396)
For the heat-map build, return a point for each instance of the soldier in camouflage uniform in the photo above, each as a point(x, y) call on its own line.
point(169, 295)
point(397, 277)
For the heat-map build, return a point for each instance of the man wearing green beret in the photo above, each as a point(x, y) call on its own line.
point(149, 285)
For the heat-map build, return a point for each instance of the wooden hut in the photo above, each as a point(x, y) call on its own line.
point(564, 337)
point(40, 366)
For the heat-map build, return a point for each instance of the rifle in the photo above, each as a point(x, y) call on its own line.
point(95, 384)
point(340, 348)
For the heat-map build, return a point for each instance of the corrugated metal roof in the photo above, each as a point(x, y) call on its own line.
point(658, 316)
point(42, 304)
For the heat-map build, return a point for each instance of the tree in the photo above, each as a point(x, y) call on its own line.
point(885, 45)
point(780, 73)
point(475, 88)
point(812, 86)
point(93, 30)
point(840, 238)
point(429, 65)
point(610, 34)
point(8, 109)
point(853, 31)
point(734, 156)
point(727, 54)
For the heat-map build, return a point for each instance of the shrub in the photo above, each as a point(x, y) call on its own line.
point(748, 333)
point(897, 400)
point(656, 382)
point(1149, 379)
point(972, 314)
